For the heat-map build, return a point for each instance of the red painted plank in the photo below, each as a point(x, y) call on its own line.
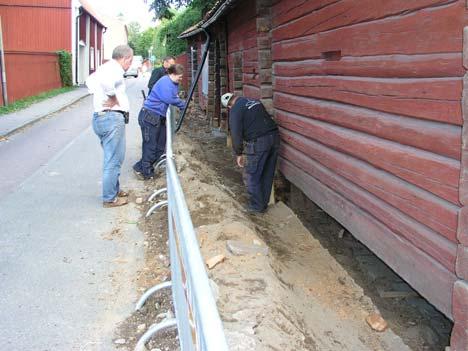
point(348, 12)
point(251, 91)
point(462, 234)
point(430, 136)
point(434, 173)
point(459, 340)
point(287, 10)
point(420, 236)
point(426, 275)
point(393, 66)
point(464, 148)
point(422, 206)
point(435, 99)
point(434, 30)
point(462, 262)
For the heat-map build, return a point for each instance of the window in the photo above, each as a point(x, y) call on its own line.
point(91, 59)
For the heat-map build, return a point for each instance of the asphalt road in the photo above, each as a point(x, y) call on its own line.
point(66, 274)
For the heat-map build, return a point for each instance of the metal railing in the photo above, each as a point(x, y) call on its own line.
point(196, 315)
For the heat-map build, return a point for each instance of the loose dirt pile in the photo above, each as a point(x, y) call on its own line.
point(285, 293)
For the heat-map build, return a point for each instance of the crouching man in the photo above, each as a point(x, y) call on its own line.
point(255, 142)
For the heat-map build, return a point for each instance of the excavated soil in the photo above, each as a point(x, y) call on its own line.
point(298, 296)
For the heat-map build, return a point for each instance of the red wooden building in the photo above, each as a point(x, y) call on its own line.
point(371, 103)
point(33, 30)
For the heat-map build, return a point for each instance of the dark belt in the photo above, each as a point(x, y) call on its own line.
point(103, 112)
point(270, 132)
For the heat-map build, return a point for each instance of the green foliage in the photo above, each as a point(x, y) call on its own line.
point(166, 41)
point(161, 8)
point(140, 41)
point(26, 102)
point(65, 66)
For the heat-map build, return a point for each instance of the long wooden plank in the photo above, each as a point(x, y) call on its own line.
point(434, 30)
point(349, 12)
point(431, 172)
point(425, 274)
point(287, 10)
point(436, 99)
point(430, 136)
point(424, 207)
point(392, 66)
point(420, 236)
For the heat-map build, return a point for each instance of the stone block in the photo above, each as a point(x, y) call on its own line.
point(240, 248)
point(263, 24)
point(264, 42)
point(264, 59)
point(268, 103)
point(266, 75)
point(266, 91)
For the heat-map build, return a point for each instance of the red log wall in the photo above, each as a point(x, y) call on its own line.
point(32, 31)
point(368, 98)
point(182, 59)
point(242, 40)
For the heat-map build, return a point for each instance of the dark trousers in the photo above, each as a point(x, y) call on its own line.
point(259, 169)
point(153, 135)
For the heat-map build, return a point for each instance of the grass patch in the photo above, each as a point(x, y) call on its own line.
point(26, 102)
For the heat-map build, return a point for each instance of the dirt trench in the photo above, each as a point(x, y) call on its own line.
point(296, 297)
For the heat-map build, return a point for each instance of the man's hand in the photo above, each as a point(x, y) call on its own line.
point(111, 102)
point(240, 161)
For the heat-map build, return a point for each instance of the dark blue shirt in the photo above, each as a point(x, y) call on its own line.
point(164, 93)
point(248, 120)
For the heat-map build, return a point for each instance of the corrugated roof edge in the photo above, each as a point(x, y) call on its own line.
point(219, 9)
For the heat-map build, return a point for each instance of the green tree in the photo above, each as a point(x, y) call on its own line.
point(166, 41)
point(140, 41)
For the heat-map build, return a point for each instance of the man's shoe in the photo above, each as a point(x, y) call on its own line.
point(139, 175)
point(122, 194)
point(118, 201)
point(253, 211)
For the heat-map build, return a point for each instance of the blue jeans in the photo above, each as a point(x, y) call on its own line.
point(110, 128)
point(259, 169)
point(153, 135)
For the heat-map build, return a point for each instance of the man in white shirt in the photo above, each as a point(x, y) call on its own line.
point(111, 107)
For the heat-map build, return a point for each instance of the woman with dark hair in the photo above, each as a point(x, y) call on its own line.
point(152, 120)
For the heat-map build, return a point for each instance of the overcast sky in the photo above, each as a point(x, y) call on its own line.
point(133, 10)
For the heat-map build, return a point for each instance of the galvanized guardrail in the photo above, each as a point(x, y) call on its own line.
point(196, 315)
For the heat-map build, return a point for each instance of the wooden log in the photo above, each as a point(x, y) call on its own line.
point(426, 208)
point(349, 12)
point(430, 136)
point(251, 91)
point(464, 148)
point(286, 11)
point(436, 174)
point(462, 234)
point(433, 30)
point(420, 270)
point(436, 99)
point(420, 236)
point(392, 66)
point(459, 339)
point(462, 262)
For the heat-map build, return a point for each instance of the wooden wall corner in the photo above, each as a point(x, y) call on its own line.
point(459, 339)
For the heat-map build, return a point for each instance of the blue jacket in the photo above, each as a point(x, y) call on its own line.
point(163, 94)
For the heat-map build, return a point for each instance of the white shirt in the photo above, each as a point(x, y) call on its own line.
point(108, 80)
